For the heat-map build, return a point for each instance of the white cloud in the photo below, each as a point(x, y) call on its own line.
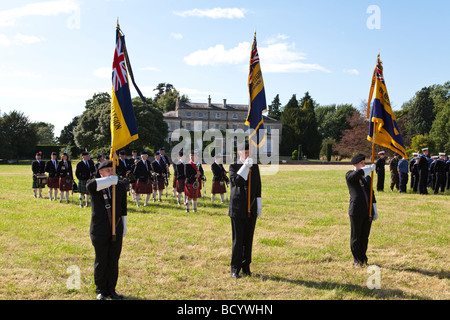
point(103, 73)
point(24, 39)
point(216, 13)
point(351, 71)
point(177, 36)
point(280, 57)
point(4, 41)
point(149, 69)
point(47, 8)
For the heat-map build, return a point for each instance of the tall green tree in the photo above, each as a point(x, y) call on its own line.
point(440, 130)
point(66, 136)
point(421, 113)
point(45, 132)
point(275, 108)
point(17, 135)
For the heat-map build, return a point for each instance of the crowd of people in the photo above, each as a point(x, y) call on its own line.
point(423, 171)
point(144, 179)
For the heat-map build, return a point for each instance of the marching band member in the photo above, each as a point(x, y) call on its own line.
point(84, 171)
point(53, 179)
point(380, 170)
point(38, 168)
point(219, 178)
point(193, 182)
point(143, 171)
point(158, 168)
point(65, 174)
point(132, 163)
point(180, 177)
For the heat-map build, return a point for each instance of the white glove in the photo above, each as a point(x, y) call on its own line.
point(375, 212)
point(103, 183)
point(243, 171)
point(258, 206)
point(368, 169)
point(124, 221)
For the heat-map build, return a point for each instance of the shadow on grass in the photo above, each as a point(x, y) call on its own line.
point(345, 287)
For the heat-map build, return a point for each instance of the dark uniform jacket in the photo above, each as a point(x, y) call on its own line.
point(141, 171)
point(190, 172)
point(101, 228)
point(38, 167)
point(159, 168)
point(85, 172)
point(122, 168)
point(218, 171)
point(178, 170)
point(51, 169)
point(238, 207)
point(359, 189)
point(64, 170)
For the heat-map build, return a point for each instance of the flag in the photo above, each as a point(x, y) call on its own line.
point(123, 121)
point(383, 128)
point(257, 104)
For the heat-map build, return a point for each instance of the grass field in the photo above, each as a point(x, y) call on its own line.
point(301, 245)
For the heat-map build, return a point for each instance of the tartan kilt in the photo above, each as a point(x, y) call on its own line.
point(174, 185)
point(143, 187)
point(36, 184)
point(160, 187)
point(53, 183)
point(180, 186)
point(82, 187)
point(192, 193)
point(65, 186)
point(218, 187)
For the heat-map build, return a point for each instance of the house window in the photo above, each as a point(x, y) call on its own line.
point(200, 114)
point(234, 116)
point(188, 126)
point(188, 115)
point(235, 126)
point(217, 126)
point(218, 115)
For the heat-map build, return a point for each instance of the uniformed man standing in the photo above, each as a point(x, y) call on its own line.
point(219, 177)
point(393, 168)
point(243, 222)
point(107, 250)
point(180, 177)
point(159, 169)
point(412, 163)
point(423, 171)
point(143, 171)
point(447, 166)
point(440, 173)
point(53, 179)
point(358, 183)
point(403, 167)
point(380, 170)
point(193, 183)
point(38, 168)
point(84, 171)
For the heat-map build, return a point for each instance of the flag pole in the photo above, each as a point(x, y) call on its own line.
point(113, 222)
point(371, 180)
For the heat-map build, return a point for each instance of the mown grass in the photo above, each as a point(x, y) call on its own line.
point(301, 245)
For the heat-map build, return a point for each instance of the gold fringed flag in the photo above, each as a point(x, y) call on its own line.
point(257, 104)
point(383, 129)
point(123, 121)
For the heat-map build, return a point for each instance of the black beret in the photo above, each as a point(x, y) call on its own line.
point(85, 153)
point(144, 152)
point(358, 158)
point(122, 152)
point(105, 164)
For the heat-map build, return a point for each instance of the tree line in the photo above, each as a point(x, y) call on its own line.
point(308, 128)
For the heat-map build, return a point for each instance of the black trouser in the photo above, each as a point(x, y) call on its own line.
point(359, 237)
point(403, 181)
point(423, 181)
point(440, 182)
point(106, 267)
point(242, 235)
point(380, 181)
point(395, 180)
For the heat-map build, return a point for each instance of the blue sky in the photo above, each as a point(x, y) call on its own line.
point(57, 54)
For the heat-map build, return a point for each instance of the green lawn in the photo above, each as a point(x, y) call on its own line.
point(301, 246)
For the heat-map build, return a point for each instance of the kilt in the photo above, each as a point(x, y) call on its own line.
point(160, 186)
point(36, 183)
point(192, 193)
point(82, 187)
point(65, 186)
point(174, 185)
point(180, 186)
point(143, 187)
point(218, 187)
point(53, 183)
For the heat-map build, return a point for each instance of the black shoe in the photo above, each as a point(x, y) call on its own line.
point(101, 297)
point(248, 273)
point(235, 275)
point(115, 296)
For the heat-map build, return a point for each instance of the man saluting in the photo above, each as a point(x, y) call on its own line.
point(107, 252)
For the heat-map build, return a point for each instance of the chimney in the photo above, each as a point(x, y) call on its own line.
point(224, 103)
point(209, 101)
